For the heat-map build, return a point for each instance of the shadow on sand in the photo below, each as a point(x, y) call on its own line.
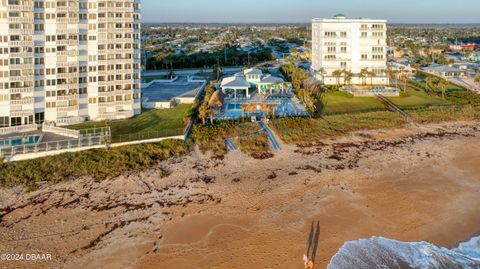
point(313, 241)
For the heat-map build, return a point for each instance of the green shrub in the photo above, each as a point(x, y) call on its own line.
point(212, 137)
point(253, 144)
point(99, 164)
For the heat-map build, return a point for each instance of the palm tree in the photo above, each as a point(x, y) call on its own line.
point(203, 112)
point(430, 82)
point(321, 71)
point(395, 76)
point(477, 78)
point(404, 77)
point(217, 70)
point(347, 77)
point(337, 74)
point(371, 74)
point(443, 84)
point(389, 72)
point(364, 75)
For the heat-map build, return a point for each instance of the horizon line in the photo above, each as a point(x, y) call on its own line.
point(388, 22)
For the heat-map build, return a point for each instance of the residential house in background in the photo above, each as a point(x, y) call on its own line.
point(447, 71)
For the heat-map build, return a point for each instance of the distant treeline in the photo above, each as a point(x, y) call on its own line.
point(234, 57)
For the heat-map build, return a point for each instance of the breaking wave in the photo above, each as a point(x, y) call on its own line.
point(383, 253)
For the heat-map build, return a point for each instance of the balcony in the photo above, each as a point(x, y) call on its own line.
point(23, 101)
point(21, 43)
point(22, 78)
point(124, 92)
point(67, 75)
point(107, 104)
point(68, 97)
point(20, 20)
point(21, 90)
point(22, 55)
point(21, 113)
point(106, 94)
point(124, 102)
point(67, 108)
point(21, 66)
point(22, 7)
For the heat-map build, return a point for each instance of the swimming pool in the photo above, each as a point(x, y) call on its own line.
point(20, 140)
point(234, 106)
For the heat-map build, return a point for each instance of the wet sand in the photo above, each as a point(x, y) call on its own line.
point(411, 184)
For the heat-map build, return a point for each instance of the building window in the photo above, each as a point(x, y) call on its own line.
point(4, 122)
point(330, 34)
point(39, 117)
point(16, 121)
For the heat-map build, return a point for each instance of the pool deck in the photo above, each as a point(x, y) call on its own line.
point(296, 109)
point(46, 137)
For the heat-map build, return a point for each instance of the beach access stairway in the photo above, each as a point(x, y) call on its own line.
point(230, 145)
point(270, 135)
point(265, 129)
point(390, 105)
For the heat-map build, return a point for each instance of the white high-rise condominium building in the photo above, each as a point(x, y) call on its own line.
point(352, 45)
point(68, 61)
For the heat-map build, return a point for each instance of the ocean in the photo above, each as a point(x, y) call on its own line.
point(383, 253)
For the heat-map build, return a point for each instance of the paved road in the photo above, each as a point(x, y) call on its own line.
point(274, 52)
point(468, 83)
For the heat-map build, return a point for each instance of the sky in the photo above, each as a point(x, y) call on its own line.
point(302, 11)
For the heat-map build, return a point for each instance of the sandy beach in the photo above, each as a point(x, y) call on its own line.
point(410, 184)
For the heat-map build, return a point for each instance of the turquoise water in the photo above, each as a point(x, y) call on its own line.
point(234, 107)
point(20, 141)
point(235, 110)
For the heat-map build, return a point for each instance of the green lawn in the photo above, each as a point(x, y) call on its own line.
point(418, 99)
point(150, 124)
point(305, 130)
point(341, 103)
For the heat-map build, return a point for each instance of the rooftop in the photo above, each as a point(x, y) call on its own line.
point(443, 68)
point(271, 79)
point(252, 71)
point(165, 91)
point(235, 81)
point(342, 18)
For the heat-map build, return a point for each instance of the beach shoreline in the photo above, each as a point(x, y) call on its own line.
point(410, 184)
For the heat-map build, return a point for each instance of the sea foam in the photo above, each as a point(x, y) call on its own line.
point(383, 253)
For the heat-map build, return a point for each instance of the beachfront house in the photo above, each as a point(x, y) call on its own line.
point(236, 87)
point(251, 93)
point(252, 81)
